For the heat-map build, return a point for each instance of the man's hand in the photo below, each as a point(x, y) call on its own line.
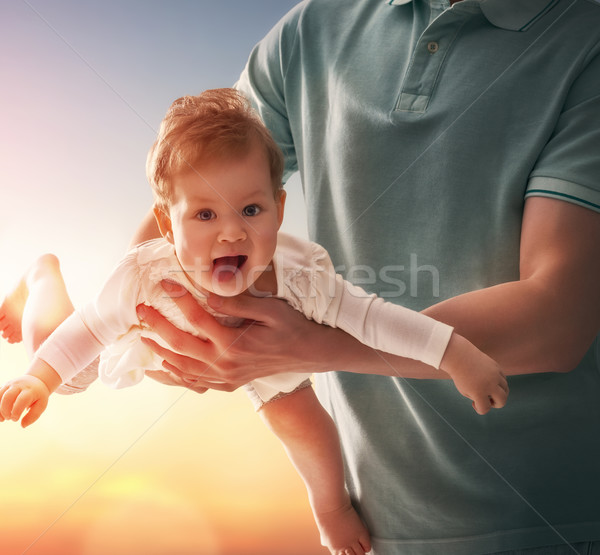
point(168, 378)
point(272, 339)
point(23, 393)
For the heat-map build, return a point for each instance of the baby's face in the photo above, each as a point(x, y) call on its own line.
point(224, 219)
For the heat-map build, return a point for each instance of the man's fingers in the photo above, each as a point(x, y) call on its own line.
point(180, 366)
point(191, 309)
point(159, 324)
point(158, 349)
point(197, 388)
point(178, 362)
point(255, 309)
point(201, 382)
point(179, 340)
point(165, 378)
point(173, 289)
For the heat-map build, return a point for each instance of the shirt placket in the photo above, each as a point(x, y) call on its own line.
point(428, 58)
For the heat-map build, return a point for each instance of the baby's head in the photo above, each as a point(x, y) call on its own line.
point(218, 124)
point(216, 174)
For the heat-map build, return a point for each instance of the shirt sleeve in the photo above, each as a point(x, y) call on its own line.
point(262, 81)
point(78, 340)
point(569, 166)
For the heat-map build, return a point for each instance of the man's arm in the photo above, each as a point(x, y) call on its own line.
point(547, 320)
point(543, 322)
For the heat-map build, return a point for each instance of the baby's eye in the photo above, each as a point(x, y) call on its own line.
point(251, 210)
point(205, 215)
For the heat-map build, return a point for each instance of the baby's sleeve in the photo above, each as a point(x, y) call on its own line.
point(389, 327)
point(313, 287)
point(70, 348)
point(264, 390)
point(79, 339)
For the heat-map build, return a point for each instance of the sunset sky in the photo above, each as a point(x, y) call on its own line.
point(151, 469)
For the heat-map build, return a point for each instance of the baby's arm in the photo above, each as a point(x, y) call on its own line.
point(403, 332)
point(29, 392)
point(310, 439)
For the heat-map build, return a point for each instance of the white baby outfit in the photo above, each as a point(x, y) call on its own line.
point(306, 279)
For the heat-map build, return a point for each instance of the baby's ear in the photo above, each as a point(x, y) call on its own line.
point(280, 200)
point(163, 220)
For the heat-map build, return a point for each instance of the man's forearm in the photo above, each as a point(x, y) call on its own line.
point(524, 325)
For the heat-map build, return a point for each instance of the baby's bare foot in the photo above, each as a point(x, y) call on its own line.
point(11, 312)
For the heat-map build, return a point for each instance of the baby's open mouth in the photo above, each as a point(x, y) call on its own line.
point(225, 267)
point(236, 261)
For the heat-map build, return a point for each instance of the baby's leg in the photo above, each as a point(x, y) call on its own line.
point(36, 306)
point(312, 444)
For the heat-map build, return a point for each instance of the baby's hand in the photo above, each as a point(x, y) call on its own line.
point(343, 532)
point(23, 393)
point(475, 375)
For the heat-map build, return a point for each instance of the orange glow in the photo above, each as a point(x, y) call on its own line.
point(149, 470)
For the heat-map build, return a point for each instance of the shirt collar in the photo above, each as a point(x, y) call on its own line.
point(512, 15)
point(515, 15)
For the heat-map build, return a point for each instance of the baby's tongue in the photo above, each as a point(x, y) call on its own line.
point(224, 268)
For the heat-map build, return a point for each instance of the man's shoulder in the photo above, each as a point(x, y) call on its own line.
point(323, 14)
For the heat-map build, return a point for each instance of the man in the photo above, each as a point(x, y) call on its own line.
point(449, 157)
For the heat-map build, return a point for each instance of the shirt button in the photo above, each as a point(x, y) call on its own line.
point(433, 47)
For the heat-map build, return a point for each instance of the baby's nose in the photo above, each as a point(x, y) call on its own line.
point(233, 230)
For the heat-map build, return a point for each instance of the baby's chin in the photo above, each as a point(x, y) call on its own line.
point(255, 288)
point(228, 288)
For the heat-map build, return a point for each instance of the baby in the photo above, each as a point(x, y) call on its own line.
point(216, 175)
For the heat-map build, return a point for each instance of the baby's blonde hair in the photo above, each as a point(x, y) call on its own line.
point(216, 124)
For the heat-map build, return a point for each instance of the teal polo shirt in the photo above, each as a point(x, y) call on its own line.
point(419, 130)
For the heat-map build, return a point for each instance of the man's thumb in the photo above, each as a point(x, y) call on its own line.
point(242, 306)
